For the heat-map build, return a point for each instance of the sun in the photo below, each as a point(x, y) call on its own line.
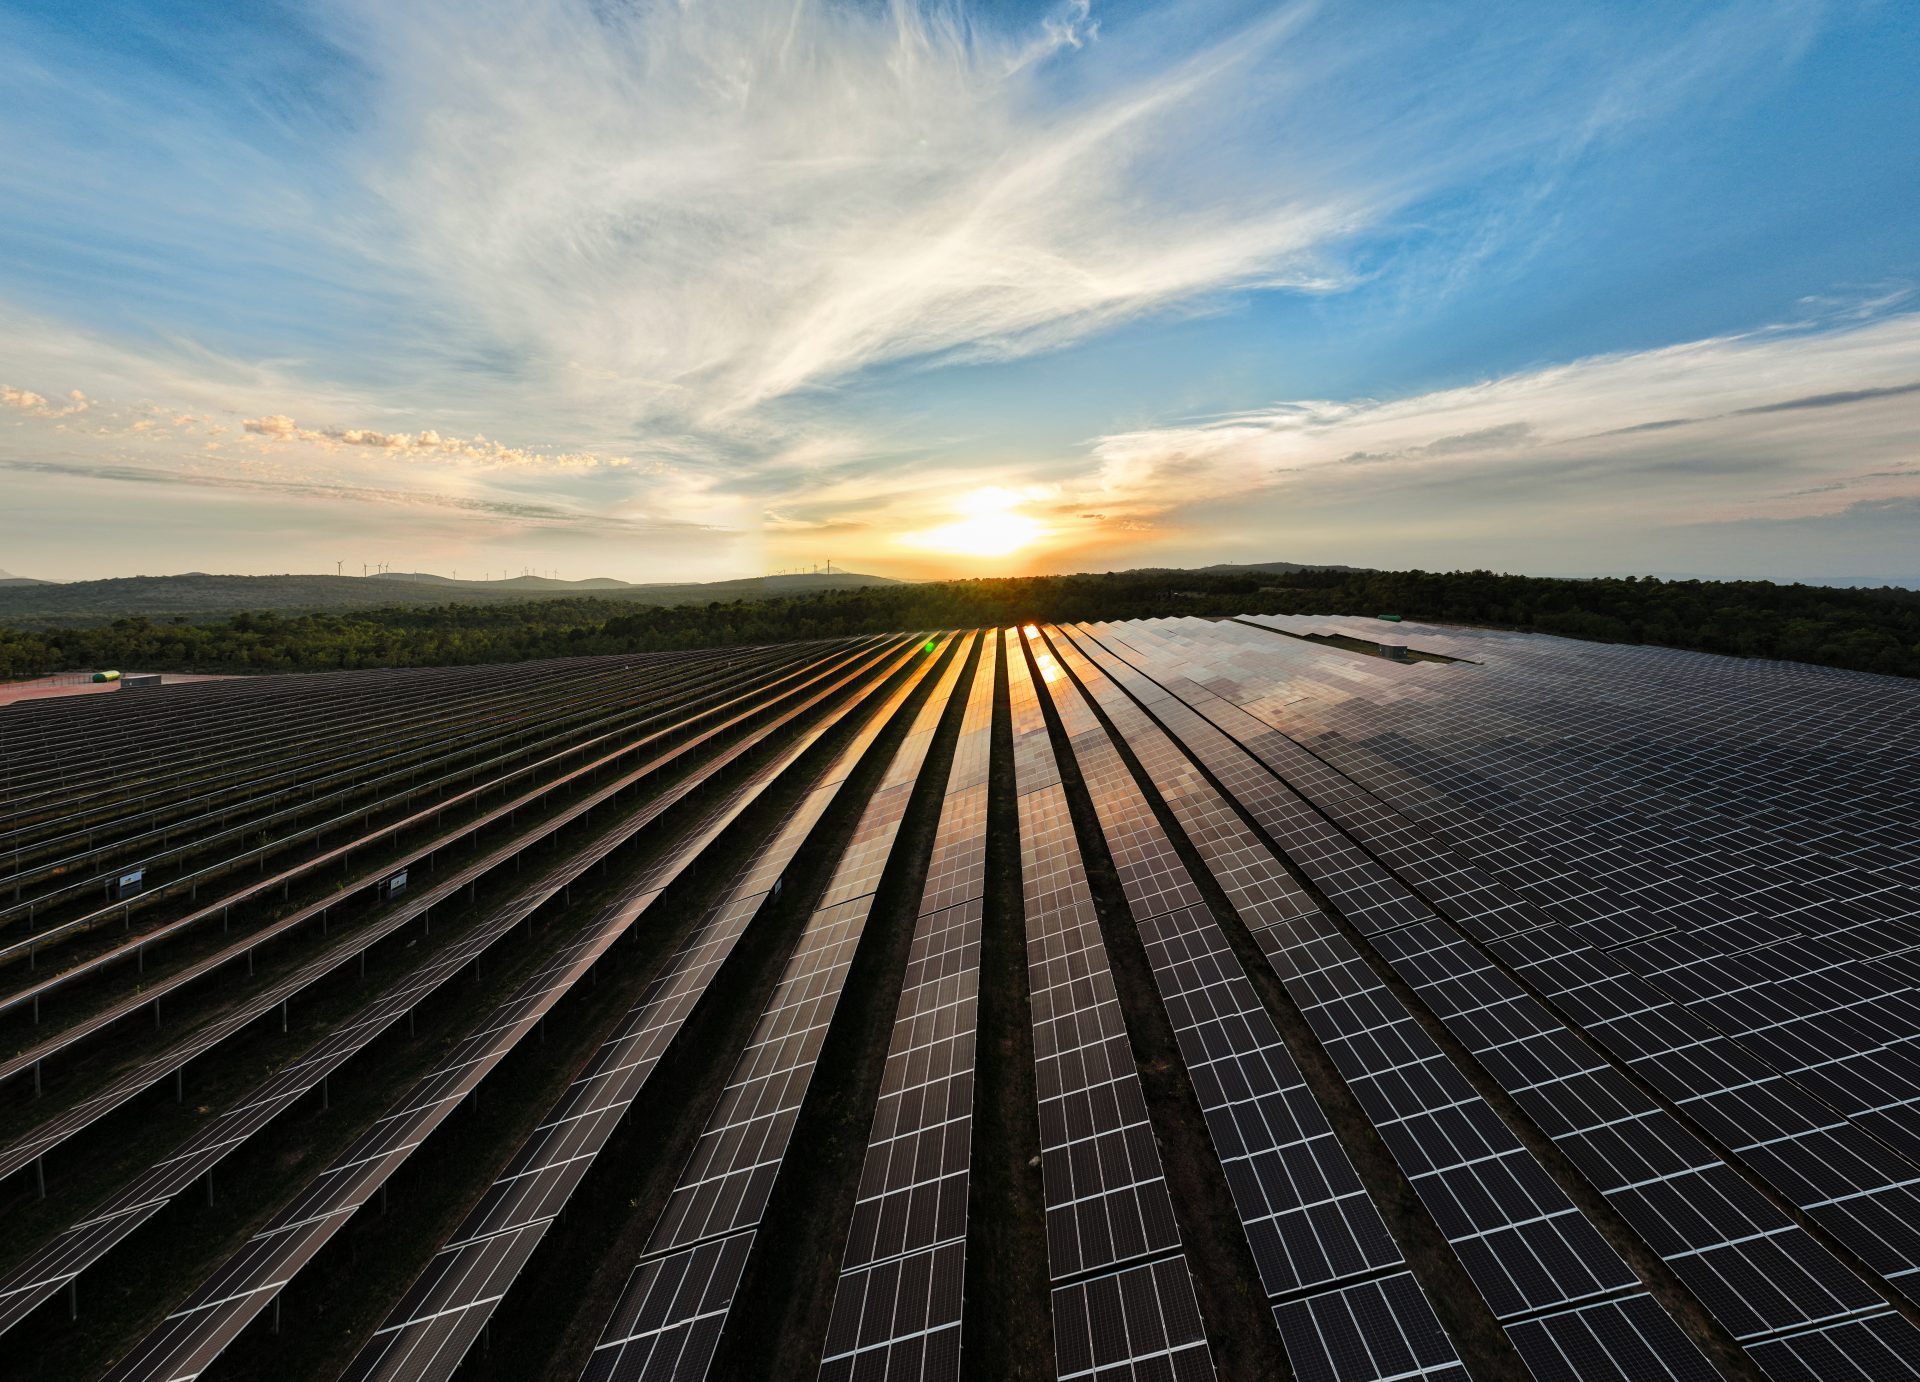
point(993, 527)
point(989, 535)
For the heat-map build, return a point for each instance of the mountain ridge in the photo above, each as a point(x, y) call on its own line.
point(201, 594)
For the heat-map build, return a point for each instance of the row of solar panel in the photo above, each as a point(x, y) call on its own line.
point(899, 1302)
point(1106, 1196)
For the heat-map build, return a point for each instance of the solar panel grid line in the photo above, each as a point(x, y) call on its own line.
point(1871, 1349)
point(1135, 1323)
point(179, 1171)
point(45, 730)
point(574, 721)
point(1669, 786)
point(263, 886)
point(1353, 1043)
point(47, 1135)
point(912, 1198)
point(429, 737)
point(166, 816)
point(127, 740)
point(1371, 1331)
point(1711, 711)
point(1706, 1081)
point(34, 906)
point(1086, 1078)
point(27, 822)
point(1469, 1210)
point(1668, 904)
point(903, 1313)
point(730, 1177)
point(670, 1320)
point(211, 1317)
point(1488, 1267)
point(1790, 1267)
point(537, 1181)
point(571, 738)
point(1085, 1075)
point(1231, 1048)
point(78, 770)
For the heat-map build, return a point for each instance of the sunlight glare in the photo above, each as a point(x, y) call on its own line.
point(992, 527)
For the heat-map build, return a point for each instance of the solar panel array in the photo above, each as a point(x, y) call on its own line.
point(1552, 1009)
point(727, 1184)
point(1107, 1201)
point(898, 1304)
point(431, 1329)
point(1310, 1224)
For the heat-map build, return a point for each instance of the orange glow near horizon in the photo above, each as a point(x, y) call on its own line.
point(992, 526)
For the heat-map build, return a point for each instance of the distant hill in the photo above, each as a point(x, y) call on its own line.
point(1865, 582)
point(197, 595)
point(1271, 568)
point(7, 578)
point(546, 585)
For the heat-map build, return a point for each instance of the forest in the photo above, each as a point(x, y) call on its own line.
point(1874, 630)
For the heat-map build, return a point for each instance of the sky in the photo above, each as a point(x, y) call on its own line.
point(696, 290)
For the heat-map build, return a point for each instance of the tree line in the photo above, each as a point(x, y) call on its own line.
point(1874, 630)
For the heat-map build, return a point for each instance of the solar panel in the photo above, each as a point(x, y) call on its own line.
point(899, 1297)
point(1372, 1331)
point(92, 1238)
point(1139, 1323)
point(1105, 1190)
point(730, 1176)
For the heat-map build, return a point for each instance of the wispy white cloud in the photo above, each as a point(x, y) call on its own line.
point(429, 444)
point(683, 214)
point(1784, 422)
point(696, 209)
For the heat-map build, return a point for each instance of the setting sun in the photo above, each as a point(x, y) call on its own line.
point(993, 527)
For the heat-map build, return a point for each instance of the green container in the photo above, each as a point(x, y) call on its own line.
point(1390, 618)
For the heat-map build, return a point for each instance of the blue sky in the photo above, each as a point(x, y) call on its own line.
point(700, 290)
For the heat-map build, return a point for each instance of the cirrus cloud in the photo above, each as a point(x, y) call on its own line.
point(1813, 418)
